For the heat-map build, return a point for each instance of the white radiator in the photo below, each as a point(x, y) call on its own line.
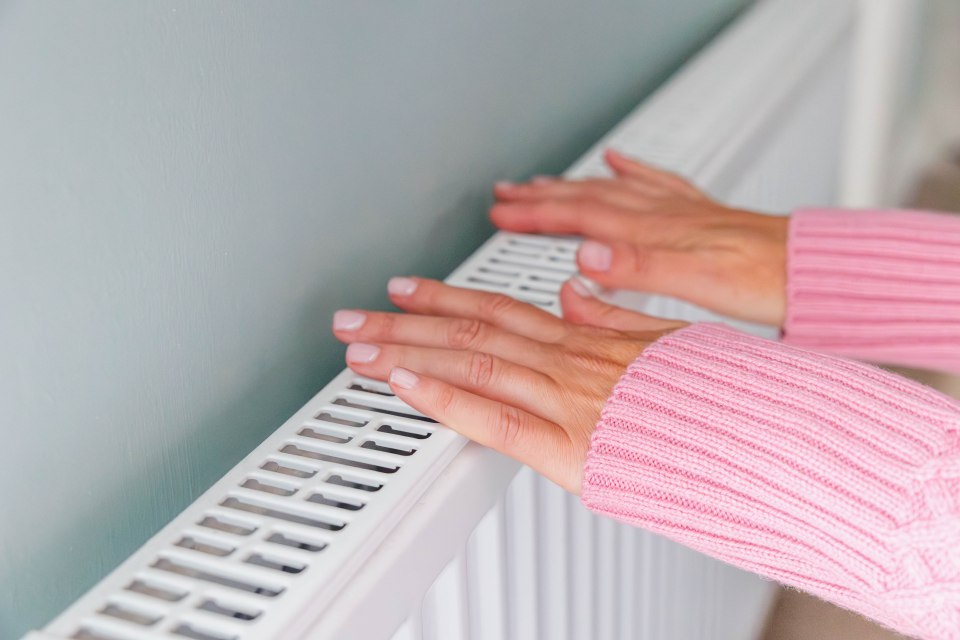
point(360, 519)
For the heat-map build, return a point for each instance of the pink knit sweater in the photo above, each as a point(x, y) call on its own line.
point(825, 474)
point(882, 286)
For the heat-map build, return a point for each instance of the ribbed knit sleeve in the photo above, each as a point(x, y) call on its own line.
point(825, 474)
point(882, 286)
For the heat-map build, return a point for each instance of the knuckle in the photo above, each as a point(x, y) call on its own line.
point(509, 428)
point(589, 361)
point(445, 400)
point(640, 262)
point(464, 334)
point(480, 369)
point(495, 306)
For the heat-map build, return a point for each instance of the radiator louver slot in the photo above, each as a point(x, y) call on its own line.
point(338, 502)
point(130, 615)
point(215, 577)
point(354, 483)
point(318, 455)
point(371, 386)
point(297, 543)
point(214, 606)
point(156, 590)
point(485, 282)
point(272, 488)
point(405, 431)
point(288, 469)
point(353, 404)
point(87, 634)
point(320, 433)
point(217, 549)
point(340, 418)
point(195, 633)
point(227, 525)
point(276, 564)
point(245, 504)
point(394, 449)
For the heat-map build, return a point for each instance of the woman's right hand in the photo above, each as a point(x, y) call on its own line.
point(649, 230)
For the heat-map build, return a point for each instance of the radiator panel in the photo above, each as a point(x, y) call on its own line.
point(318, 535)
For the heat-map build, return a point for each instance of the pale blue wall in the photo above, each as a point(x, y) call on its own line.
point(189, 189)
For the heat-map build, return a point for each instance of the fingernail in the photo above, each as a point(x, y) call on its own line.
point(348, 320)
point(503, 184)
point(581, 288)
point(403, 378)
point(541, 180)
point(362, 353)
point(595, 256)
point(401, 286)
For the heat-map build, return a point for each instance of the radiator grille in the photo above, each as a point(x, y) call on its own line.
point(304, 508)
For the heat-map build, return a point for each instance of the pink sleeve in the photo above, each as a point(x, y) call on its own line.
point(832, 476)
point(882, 286)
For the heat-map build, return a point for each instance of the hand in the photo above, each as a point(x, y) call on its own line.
point(501, 372)
point(650, 230)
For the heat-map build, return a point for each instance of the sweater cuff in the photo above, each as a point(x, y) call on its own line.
point(824, 474)
point(882, 286)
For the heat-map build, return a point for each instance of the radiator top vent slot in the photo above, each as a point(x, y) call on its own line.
point(156, 590)
point(345, 480)
point(358, 404)
point(131, 615)
point(215, 577)
point(218, 549)
point(228, 525)
point(230, 611)
point(288, 468)
point(276, 564)
point(297, 542)
point(188, 630)
point(317, 521)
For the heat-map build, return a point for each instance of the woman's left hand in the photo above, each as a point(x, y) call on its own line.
point(501, 372)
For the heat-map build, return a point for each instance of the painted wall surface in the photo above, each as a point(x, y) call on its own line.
point(188, 190)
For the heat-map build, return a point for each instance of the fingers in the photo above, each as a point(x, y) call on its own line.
point(578, 217)
point(626, 167)
point(512, 431)
point(481, 373)
point(429, 297)
point(618, 193)
point(458, 334)
point(581, 306)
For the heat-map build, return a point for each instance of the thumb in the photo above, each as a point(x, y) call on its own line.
point(624, 265)
point(581, 306)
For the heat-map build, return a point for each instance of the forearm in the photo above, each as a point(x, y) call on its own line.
point(882, 286)
point(828, 475)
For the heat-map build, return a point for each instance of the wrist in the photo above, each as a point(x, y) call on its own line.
point(763, 240)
